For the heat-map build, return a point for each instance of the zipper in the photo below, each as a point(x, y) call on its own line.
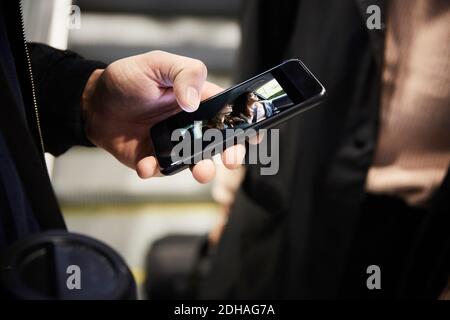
point(33, 89)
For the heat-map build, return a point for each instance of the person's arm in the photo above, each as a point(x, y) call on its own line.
point(60, 78)
point(114, 108)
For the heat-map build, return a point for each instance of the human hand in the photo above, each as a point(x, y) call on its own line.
point(121, 103)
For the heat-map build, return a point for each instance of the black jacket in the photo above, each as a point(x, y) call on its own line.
point(290, 235)
point(59, 80)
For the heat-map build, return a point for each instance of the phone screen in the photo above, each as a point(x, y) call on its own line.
point(250, 104)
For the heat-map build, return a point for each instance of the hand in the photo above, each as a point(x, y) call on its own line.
point(121, 103)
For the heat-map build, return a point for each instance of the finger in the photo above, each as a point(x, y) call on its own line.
point(187, 77)
point(256, 139)
point(204, 171)
point(233, 157)
point(147, 167)
point(210, 89)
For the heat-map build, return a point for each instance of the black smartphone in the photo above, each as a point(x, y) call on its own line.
point(261, 102)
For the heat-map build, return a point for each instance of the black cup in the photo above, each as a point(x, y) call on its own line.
point(65, 266)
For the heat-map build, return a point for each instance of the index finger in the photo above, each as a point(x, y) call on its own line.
point(210, 89)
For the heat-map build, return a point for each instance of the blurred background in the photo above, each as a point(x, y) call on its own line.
point(99, 196)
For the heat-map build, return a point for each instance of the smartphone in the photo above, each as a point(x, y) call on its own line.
point(261, 102)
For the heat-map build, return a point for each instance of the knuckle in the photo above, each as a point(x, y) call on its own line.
point(199, 66)
point(156, 52)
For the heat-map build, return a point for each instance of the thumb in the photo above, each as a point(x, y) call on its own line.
point(188, 84)
point(187, 76)
point(187, 87)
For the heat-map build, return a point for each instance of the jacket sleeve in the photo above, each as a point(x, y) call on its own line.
point(60, 78)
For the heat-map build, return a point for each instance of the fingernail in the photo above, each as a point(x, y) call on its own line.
point(193, 98)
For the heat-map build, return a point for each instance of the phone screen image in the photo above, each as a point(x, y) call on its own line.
point(252, 104)
point(240, 110)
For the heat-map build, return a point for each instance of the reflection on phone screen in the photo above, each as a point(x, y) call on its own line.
point(240, 108)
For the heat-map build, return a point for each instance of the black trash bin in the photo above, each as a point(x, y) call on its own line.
point(61, 265)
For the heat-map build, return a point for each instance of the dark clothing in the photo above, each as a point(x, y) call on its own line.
point(410, 245)
point(27, 201)
point(269, 108)
point(12, 195)
point(16, 217)
point(297, 234)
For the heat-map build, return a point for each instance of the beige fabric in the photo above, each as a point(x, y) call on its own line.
point(413, 151)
